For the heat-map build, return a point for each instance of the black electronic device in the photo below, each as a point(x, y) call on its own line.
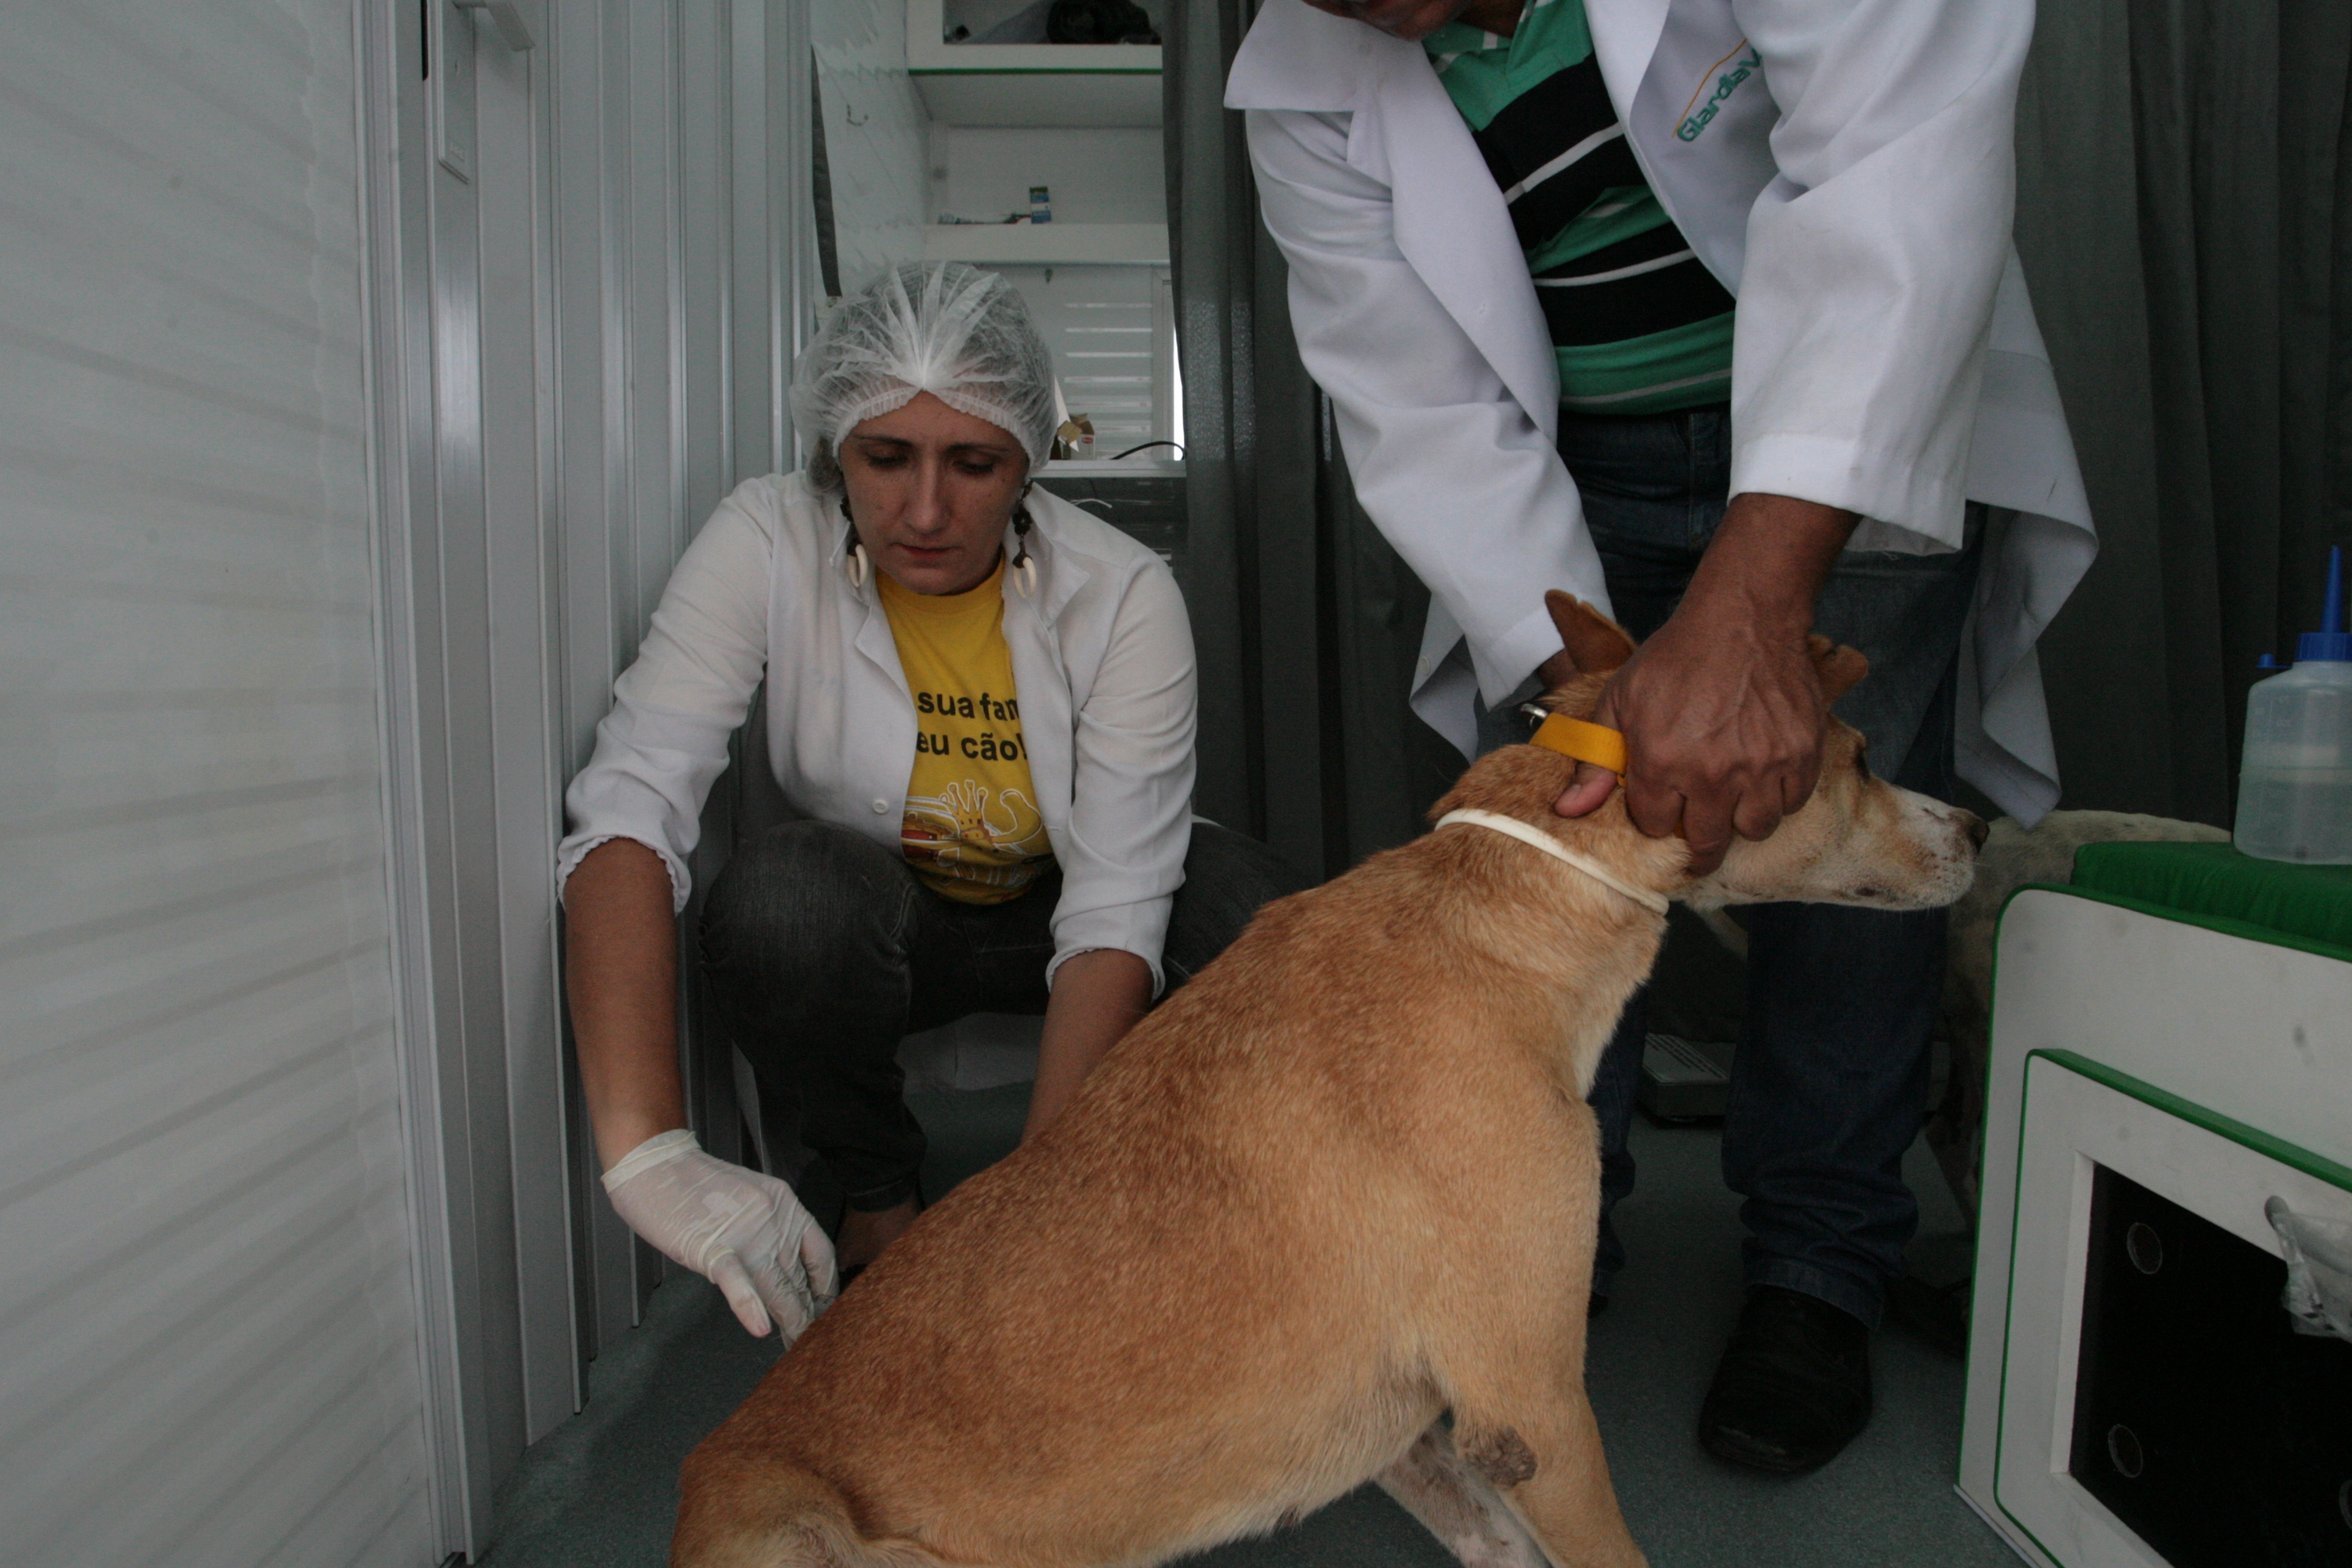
point(1098, 22)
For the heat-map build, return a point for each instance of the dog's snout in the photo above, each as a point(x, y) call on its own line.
point(1978, 829)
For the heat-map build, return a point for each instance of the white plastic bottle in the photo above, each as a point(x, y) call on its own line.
point(2295, 791)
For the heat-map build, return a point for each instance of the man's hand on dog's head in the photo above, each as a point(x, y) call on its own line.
point(1722, 710)
point(1722, 731)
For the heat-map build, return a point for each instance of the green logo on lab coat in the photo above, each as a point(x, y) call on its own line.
point(1725, 86)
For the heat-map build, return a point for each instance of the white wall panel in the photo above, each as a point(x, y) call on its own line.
point(680, 236)
point(622, 524)
point(207, 1313)
point(874, 136)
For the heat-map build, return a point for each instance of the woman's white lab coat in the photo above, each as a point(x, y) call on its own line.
point(1845, 168)
point(1102, 657)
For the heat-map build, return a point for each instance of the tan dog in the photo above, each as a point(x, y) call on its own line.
point(1340, 1184)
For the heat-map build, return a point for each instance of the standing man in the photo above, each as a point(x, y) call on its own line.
point(1705, 310)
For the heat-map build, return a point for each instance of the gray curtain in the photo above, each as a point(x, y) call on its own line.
point(1306, 621)
point(2185, 219)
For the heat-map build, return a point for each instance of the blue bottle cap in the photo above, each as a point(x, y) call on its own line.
point(2331, 643)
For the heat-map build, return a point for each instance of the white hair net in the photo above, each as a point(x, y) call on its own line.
point(952, 330)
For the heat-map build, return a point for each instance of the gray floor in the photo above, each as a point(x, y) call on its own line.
point(600, 1492)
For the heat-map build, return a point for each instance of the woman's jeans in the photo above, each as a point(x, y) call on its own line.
point(823, 950)
point(1829, 1085)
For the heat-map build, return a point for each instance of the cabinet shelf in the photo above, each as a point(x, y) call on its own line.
point(1050, 243)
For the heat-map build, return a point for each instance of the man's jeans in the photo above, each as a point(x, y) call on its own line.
point(1829, 1085)
point(823, 950)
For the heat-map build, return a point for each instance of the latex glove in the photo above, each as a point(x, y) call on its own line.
point(742, 1231)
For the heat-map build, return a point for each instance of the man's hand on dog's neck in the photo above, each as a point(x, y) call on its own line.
point(1721, 708)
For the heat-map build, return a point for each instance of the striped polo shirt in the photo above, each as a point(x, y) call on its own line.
point(1639, 325)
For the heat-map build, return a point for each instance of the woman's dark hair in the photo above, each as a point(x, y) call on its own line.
point(822, 473)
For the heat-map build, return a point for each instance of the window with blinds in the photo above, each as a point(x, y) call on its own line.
point(1114, 345)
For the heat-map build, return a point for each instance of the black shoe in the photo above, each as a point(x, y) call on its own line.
point(1793, 1387)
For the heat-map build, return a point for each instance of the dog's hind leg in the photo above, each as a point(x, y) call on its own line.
point(1545, 1459)
point(739, 1514)
point(1433, 1483)
point(1506, 1349)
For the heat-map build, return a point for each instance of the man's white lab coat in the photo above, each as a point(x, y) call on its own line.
point(1843, 167)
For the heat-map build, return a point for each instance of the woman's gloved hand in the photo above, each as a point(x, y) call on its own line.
point(742, 1231)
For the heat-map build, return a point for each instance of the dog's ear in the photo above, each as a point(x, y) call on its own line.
point(1840, 668)
point(1595, 644)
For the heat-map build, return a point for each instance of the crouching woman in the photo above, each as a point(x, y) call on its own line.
point(980, 698)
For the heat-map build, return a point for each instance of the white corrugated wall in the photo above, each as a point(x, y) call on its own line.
point(207, 1319)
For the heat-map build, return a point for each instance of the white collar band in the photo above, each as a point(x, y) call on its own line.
point(1511, 828)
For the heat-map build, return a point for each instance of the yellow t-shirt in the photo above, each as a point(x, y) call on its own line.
point(972, 830)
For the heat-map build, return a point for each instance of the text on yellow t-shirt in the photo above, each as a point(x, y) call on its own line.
point(972, 830)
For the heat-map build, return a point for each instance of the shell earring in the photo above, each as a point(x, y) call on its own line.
point(853, 555)
point(1024, 570)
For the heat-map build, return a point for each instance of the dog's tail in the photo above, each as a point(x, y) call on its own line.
point(739, 1514)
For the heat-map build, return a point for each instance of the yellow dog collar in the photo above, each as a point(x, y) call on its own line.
point(1584, 741)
